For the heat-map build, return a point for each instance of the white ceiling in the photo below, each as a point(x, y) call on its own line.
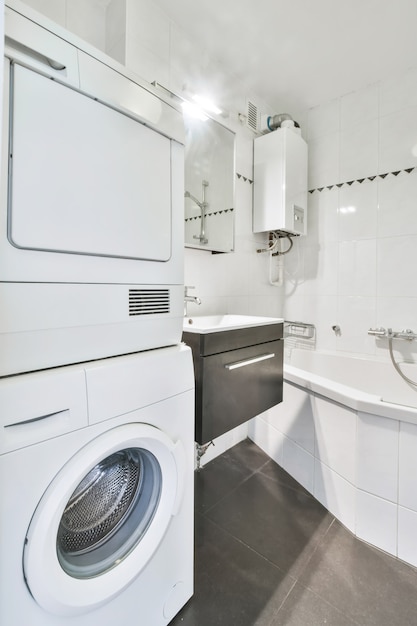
point(295, 54)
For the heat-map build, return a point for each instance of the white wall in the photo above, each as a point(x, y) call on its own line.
point(85, 18)
point(358, 265)
point(1, 52)
point(157, 49)
point(138, 33)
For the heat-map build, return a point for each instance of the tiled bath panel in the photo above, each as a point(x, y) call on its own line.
point(361, 467)
point(269, 554)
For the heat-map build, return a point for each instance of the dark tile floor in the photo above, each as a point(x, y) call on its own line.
point(267, 553)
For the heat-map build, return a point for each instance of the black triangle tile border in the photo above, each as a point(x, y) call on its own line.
point(244, 178)
point(348, 183)
point(198, 217)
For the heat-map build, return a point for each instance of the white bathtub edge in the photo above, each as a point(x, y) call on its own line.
point(348, 396)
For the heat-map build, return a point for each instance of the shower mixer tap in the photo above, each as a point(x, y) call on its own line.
point(407, 333)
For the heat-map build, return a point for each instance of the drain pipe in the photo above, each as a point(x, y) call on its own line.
point(201, 450)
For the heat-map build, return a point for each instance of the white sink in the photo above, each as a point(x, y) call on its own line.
point(215, 323)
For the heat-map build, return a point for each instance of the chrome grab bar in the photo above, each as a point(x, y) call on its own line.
point(407, 333)
point(299, 329)
point(377, 332)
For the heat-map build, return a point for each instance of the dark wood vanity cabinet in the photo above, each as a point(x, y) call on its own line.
point(238, 374)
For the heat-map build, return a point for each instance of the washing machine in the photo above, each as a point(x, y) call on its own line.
point(96, 491)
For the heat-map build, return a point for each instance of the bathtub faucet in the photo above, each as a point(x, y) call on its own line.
point(407, 333)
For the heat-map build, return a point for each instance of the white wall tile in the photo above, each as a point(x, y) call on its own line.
point(118, 51)
point(336, 494)
point(359, 151)
point(192, 269)
point(359, 107)
point(358, 211)
point(294, 268)
point(377, 456)
point(371, 131)
point(407, 536)
point(269, 305)
point(323, 161)
point(116, 26)
point(320, 269)
point(267, 438)
point(88, 21)
point(335, 428)
point(398, 140)
point(53, 9)
point(396, 313)
point(294, 417)
point(322, 311)
point(396, 205)
point(356, 314)
point(145, 63)
point(244, 153)
point(357, 268)
point(148, 27)
point(323, 120)
point(323, 215)
point(243, 209)
point(376, 522)
point(236, 267)
point(299, 464)
point(408, 466)
point(398, 92)
point(397, 266)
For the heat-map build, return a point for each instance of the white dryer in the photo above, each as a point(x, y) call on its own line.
point(96, 491)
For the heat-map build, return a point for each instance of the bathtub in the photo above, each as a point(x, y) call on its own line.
point(347, 431)
point(370, 385)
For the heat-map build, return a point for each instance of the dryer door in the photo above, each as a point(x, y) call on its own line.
point(102, 518)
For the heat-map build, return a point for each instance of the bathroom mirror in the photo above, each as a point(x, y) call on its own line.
point(209, 185)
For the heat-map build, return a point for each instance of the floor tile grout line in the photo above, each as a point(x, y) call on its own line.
point(319, 544)
point(271, 623)
point(302, 489)
point(251, 548)
point(254, 473)
point(276, 614)
point(228, 494)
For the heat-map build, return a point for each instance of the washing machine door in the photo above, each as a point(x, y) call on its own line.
point(102, 518)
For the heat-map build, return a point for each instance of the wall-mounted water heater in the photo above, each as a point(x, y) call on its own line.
point(280, 181)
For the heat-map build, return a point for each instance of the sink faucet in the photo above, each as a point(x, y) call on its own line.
point(188, 298)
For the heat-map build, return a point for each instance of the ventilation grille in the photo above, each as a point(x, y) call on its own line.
point(252, 119)
point(148, 301)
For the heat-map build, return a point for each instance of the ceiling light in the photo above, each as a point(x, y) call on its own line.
point(192, 110)
point(206, 104)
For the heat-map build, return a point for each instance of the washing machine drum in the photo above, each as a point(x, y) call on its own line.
point(109, 512)
point(102, 518)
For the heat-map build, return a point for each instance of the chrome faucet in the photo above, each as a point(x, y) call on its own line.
point(407, 333)
point(188, 298)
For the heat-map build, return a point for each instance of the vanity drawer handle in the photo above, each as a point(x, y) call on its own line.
point(255, 359)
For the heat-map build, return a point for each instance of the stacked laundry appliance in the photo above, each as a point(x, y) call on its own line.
point(96, 389)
